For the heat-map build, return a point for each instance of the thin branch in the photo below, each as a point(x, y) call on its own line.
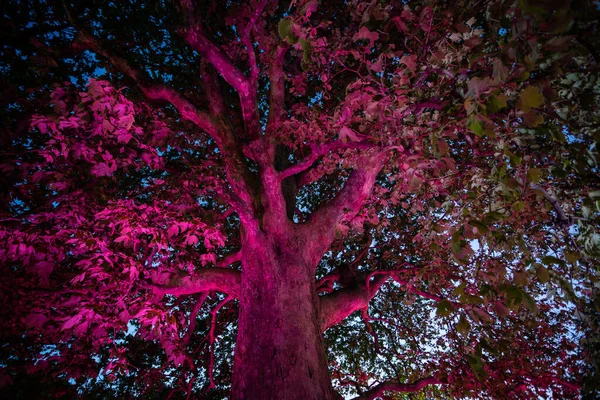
point(235, 168)
point(366, 320)
point(575, 387)
point(411, 289)
point(193, 317)
point(319, 151)
point(380, 389)
point(211, 340)
point(562, 217)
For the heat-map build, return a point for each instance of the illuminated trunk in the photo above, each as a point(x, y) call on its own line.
point(279, 350)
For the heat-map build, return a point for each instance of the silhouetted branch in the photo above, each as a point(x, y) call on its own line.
point(378, 390)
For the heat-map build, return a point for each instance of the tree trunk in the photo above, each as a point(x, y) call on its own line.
point(279, 351)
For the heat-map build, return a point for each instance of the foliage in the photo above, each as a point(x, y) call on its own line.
point(128, 174)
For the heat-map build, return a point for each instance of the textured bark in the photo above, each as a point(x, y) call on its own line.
point(279, 349)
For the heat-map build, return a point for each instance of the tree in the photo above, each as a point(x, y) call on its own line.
point(302, 199)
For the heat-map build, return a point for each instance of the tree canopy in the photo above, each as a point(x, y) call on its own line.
point(433, 164)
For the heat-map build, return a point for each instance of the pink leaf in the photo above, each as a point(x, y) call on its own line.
point(173, 230)
point(43, 269)
point(103, 169)
point(191, 240)
point(347, 134)
point(365, 33)
point(71, 322)
point(35, 320)
point(209, 258)
point(409, 61)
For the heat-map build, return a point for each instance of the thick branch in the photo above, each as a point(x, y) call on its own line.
point(319, 230)
point(232, 76)
point(211, 86)
point(235, 168)
point(205, 280)
point(254, 71)
point(230, 259)
point(152, 91)
point(277, 92)
point(380, 389)
point(337, 306)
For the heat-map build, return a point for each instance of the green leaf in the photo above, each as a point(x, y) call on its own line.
point(572, 256)
point(285, 30)
point(595, 193)
point(497, 103)
point(542, 273)
point(481, 227)
point(533, 119)
point(463, 326)
point(567, 288)
point(457, 243)
point(529, 302)
point(474, 125)
point(518, 206)
point(530, 98)
point(476, 366)
point(534, 175)
point(284, 27)
point(514, 297)
point(493, 216)
point(307, 50)
point(460, 289)
point(550, 260)
point(521, 278)
point(444, 308)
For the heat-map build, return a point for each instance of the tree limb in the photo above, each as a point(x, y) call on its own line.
point(411, 289)
point(389, 386)
point(277, 92)
point(235, 167)
point(212, 88)
point(154, 92)
point(230, 259)
point(205, 280)
point(254, 71)
point(337, 306)
point(319, 229)
point(193, 316)
point(350, 199)
point(231, 74)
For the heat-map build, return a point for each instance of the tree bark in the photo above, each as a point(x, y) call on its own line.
point(279, 350)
